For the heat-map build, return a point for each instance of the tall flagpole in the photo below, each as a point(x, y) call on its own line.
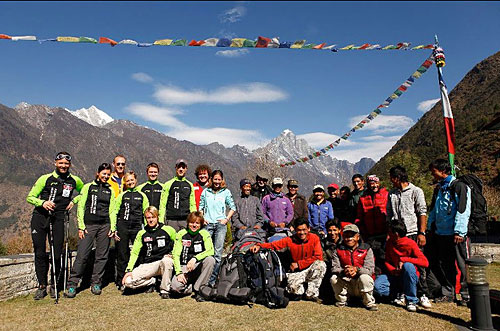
point(449, 123)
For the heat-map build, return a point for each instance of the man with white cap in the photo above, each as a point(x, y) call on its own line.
point(177, 199)
point(277, 209)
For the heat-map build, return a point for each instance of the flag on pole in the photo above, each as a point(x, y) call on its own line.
point(449, 122)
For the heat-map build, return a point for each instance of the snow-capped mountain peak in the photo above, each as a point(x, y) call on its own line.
point(93, 115)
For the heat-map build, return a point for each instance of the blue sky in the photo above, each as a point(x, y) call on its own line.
point(245, 97)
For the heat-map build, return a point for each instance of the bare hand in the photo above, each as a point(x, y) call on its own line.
point(458, 239)
point(254, 249)
point(272, 224)
point(49, 205)
point(400, 265)
point(257, 227)
point(350, 271)
point(223, 221)
point(128, 274)
point(282, 225)
point(70, 205)
point(111, 234)
point(421, 240)
point(81, 233)
point(243, 228)
point(117, 238)
point(181, 279)
point(294, 266)
point(190, 264)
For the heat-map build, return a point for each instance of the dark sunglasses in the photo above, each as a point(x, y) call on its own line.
point(63, 156)
point(293, 186)
point(120, 163)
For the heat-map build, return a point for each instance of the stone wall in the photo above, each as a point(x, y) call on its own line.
point(17, 276)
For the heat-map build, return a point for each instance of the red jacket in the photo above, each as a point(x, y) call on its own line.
point(372, 213)
point(197, 193)
point(303, 253)
point(404, 250)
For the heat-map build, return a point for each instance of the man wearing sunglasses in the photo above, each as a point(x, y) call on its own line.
point(51, 196)
point(115, 181)
point(177, 198)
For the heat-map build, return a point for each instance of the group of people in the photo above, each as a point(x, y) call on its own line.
point(364, 243)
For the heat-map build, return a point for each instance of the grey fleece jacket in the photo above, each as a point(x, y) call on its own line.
point(406, 205)
point(248, 212)
point(368, 265)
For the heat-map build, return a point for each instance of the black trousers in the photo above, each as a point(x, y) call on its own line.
point(448, 260)
point(40, 226)
point(99, 233)
point(377, 243)
point(122, 247)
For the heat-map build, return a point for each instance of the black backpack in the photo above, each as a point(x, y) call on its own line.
point(479, 208)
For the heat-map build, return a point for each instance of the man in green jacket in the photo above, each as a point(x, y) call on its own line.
point(51, 196)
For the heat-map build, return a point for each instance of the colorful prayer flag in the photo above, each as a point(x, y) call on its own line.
point(68, 39)
point(163, 42)
point(103, 40)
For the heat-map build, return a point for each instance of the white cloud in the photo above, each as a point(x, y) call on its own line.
point(319, 140)
point(384, 123)
point(232, 53)
point(232, 94)
point(251, 139)
point(233, 15)
point(426, 105)
point(142, 77)
point(372, 146)
point(161, 115)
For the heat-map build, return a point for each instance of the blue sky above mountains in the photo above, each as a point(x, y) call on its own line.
point(244, 96)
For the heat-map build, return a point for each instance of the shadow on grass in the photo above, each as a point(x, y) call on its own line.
point(451, 319)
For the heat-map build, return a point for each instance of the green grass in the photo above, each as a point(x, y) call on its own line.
point(144, 311)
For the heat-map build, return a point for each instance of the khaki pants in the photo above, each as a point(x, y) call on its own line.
point(312, 276)
point(195, 278)
point(144, 274)
point(361, 287)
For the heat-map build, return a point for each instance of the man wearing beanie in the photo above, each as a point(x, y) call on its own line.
point(248, 211)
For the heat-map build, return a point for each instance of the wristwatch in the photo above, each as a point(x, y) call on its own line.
point(422, 233)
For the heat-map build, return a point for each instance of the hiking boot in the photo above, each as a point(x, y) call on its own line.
point(40, 293)
point(425, 302)
point(400, 300)
point(120, 288)
point(372, 307)
point(71, 292)
point(443, 299)
point(411, 307)
point(96, 289)
point(340, 304)
point(199, 298)
point(52, 292)
point(165, 295)
point(150, 289)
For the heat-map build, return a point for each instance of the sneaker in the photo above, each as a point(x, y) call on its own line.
point(120, 288)
point(96, 289)
point(71, 292)
point(400, 300)
point(340, 304)
point(40, 293)
point(164, 295)
point(444, 299)
point(199, 298)
point(411, 307)
point(52, 292)
point(425, 302)
point(372, 307)
point(150, 289)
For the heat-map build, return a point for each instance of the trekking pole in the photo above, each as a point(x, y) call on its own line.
point(66, 257)
point(51, 230)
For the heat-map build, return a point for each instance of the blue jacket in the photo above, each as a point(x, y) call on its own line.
point(319, 215)
point(452, 208)
point(213, 204)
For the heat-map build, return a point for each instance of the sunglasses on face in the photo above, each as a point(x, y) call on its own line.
point(120, 164)
point(63, 156)
point(293, 186)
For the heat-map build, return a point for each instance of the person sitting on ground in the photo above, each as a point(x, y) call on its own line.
point(307, 268)
point(193, 257)
point(260, 188)
point(153, 245)
point(320, 211)
point(353, 268)
point(402, 259)
point(371, 220)
point(299, 202)
point(202, 173)
point(278, 210)
point(248, 211)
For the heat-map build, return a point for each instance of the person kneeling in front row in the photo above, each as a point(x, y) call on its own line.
point(193, 257)
point(154, 245)
point(307, 265)
point(353, 267)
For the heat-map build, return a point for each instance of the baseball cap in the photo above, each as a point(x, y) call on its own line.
point(244, 181)
point(293, 182)
point(261, 178)
point(277, 181)
point(335, 186)
point(351, 227)
point(373, 178)
point(179, 161)
point(318, 187)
